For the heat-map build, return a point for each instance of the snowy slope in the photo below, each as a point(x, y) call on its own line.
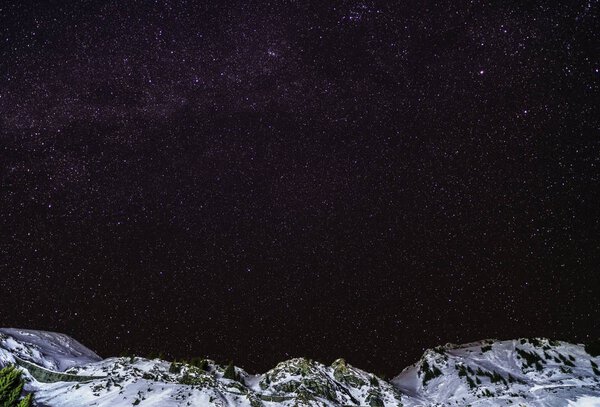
point(536, 372)
point(51, 350)
point(62, 372)
point(158, 383)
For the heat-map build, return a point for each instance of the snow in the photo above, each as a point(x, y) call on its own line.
point(499, 370)
point(585, 401)
point(533, 373)
point(51, 350)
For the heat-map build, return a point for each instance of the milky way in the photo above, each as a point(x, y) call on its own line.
point(259, 181)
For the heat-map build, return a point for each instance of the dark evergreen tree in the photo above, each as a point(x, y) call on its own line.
point(175, 367)
point(199, 363)
point(229, 372)
point(11, 386)
point(26, 401)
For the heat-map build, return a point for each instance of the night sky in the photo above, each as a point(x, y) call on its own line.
point(266, 180)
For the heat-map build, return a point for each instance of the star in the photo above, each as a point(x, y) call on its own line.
point(300, 177)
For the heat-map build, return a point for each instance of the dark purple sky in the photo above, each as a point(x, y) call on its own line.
point(258, 181)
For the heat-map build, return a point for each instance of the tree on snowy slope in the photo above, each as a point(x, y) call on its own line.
point(11, 386)
point(229, 372)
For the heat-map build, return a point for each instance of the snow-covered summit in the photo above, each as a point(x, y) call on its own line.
point(523, 372)
point(51, 350)
point(530, 372)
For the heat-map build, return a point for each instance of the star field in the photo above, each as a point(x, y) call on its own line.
point(256, 181)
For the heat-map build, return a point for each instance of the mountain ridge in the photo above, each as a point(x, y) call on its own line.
point(532, 372)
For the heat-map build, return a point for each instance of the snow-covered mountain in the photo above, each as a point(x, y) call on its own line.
point(535, 372)
point(51, 350)
point(523, 372)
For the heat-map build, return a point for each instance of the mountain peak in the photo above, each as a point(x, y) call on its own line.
point(532, 372)
point(51, 350)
